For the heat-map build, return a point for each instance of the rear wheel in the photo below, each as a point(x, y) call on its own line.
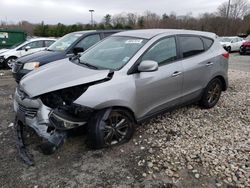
point(110, 127)
point(211, 94)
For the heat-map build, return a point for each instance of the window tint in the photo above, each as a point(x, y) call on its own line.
point(191, 46)
point(48, 43)
point(207, 42)
point(36, 44)
point(162, 52)
point(88, 41)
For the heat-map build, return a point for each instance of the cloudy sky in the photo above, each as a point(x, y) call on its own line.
point(73, 11)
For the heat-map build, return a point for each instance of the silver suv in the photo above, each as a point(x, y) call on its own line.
point(121, 81)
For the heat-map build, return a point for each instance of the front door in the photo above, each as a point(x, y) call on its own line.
point(160, 89)
point(32, 47)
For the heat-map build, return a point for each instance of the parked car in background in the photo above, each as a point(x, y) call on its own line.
point(8, 57)
point(67, 46)
point(231, 44)
point(245, 48)
point(121, 81)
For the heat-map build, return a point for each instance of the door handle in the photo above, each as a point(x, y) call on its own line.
point(209, 64)
point(176, 73)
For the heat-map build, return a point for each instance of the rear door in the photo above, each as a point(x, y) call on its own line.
point(197, 63)
point(160, 89)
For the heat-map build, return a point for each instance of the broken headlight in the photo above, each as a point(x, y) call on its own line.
point(63, 97)
point(71, 116)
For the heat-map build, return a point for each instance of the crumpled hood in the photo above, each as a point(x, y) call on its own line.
point(59, 75)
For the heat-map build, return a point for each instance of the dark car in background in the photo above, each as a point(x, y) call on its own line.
point(67, 46)
point(245, 48)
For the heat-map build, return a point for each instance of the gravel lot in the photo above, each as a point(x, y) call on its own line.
point(188, 147)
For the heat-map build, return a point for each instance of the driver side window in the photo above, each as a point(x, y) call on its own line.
point(162, 52)
point(88, 41)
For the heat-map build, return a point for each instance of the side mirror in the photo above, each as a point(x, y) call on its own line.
point(77, 50)
point(148, 66)
point(27, 48)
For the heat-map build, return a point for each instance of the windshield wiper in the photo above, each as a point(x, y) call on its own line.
point(87, 64)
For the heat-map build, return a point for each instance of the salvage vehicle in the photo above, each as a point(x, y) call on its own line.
point(123, 80)
point(8, 57)
point(231, 44)
point(67, 46)
point(245, 48)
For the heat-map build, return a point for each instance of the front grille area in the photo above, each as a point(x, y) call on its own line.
point(29, 112)
point(17, 66)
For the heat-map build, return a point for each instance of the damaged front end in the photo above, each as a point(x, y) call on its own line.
point(51, 115)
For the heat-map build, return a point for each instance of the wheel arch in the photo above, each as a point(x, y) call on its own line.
point(12, 56)
point(223, 81)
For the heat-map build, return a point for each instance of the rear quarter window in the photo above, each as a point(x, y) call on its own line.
point(207, 42)
point(191, 45)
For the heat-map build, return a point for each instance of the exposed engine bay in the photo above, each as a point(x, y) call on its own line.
point(54, 114)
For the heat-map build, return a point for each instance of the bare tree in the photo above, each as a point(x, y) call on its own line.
point(238, 9)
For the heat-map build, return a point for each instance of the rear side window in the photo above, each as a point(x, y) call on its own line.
point(191, 45)
point(207, 42)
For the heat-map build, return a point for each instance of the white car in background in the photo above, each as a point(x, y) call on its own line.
point(8, 57)
point(231, 43)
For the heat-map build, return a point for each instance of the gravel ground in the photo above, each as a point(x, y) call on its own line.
point(188, 147)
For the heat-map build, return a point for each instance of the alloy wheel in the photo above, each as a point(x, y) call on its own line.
point(10, 62)
point(116, 128)
point(214, 93)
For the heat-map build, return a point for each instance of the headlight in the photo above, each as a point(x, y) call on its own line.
point(31, 65)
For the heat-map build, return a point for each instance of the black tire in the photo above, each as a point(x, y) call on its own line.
point(242, 53)
point(7, 62)
point(103, 132)
point(211, 94)
point(229, 49)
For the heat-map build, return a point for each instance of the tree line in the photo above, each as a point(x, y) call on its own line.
point(232, 21)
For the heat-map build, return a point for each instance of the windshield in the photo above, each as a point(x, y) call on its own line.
point(224, 39)
point(248, 37)
point(63, 43)
point(112, 53)
point(16, 45)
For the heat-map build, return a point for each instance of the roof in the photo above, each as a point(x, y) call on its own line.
point(40, 38)
point(150, 33)
point(90, 31)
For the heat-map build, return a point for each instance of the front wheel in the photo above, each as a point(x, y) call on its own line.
point(110, 127)
point(10, 62)
point(229, 49)
point(211, 93)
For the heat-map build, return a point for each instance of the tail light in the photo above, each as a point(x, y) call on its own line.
point(226, 55)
